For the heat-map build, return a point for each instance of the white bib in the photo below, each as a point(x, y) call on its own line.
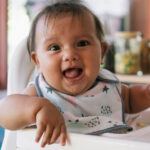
point(98, 110)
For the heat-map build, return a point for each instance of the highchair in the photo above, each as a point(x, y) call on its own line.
point(21, 71)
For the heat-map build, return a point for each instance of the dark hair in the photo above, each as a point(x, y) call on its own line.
point(76, 9)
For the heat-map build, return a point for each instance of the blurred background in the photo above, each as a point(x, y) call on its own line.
point(127, 30)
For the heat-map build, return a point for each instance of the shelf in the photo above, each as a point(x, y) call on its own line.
point(134, 78)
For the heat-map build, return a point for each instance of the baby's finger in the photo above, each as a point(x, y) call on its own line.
point(55, 135)
point(40, 130)
point(47, 136)
point(63, 135)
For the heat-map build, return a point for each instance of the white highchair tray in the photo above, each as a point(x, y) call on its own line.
point(138, 139)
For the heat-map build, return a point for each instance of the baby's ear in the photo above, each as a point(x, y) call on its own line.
point(35, 59)
point(104, 50)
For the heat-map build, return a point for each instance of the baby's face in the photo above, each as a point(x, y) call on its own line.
point(68, 53)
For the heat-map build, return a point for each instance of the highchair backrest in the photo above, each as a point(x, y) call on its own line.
point(20, 71)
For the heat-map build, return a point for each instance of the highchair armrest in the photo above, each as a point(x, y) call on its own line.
point(9, 142)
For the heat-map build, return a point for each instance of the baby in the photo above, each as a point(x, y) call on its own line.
point(66, 43)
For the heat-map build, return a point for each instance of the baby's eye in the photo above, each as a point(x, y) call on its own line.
point(54, 48)
point(83, 43)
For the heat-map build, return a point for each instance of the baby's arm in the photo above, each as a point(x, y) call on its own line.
point(136, 97)
point(18, 111)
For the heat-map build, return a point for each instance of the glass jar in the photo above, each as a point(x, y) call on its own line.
point(127, 52)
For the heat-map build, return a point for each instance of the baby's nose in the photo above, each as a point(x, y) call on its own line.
point(70, 54)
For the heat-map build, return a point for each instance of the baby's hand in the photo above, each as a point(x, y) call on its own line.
point(50, 124)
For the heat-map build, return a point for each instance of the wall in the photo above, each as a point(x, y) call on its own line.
point(140, 16)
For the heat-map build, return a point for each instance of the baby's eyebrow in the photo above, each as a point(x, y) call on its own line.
point(86, 36)
point(50, 39)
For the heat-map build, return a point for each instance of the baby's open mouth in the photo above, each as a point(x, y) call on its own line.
point(72, 73)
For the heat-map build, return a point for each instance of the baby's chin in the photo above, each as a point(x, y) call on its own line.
point(74, 91)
